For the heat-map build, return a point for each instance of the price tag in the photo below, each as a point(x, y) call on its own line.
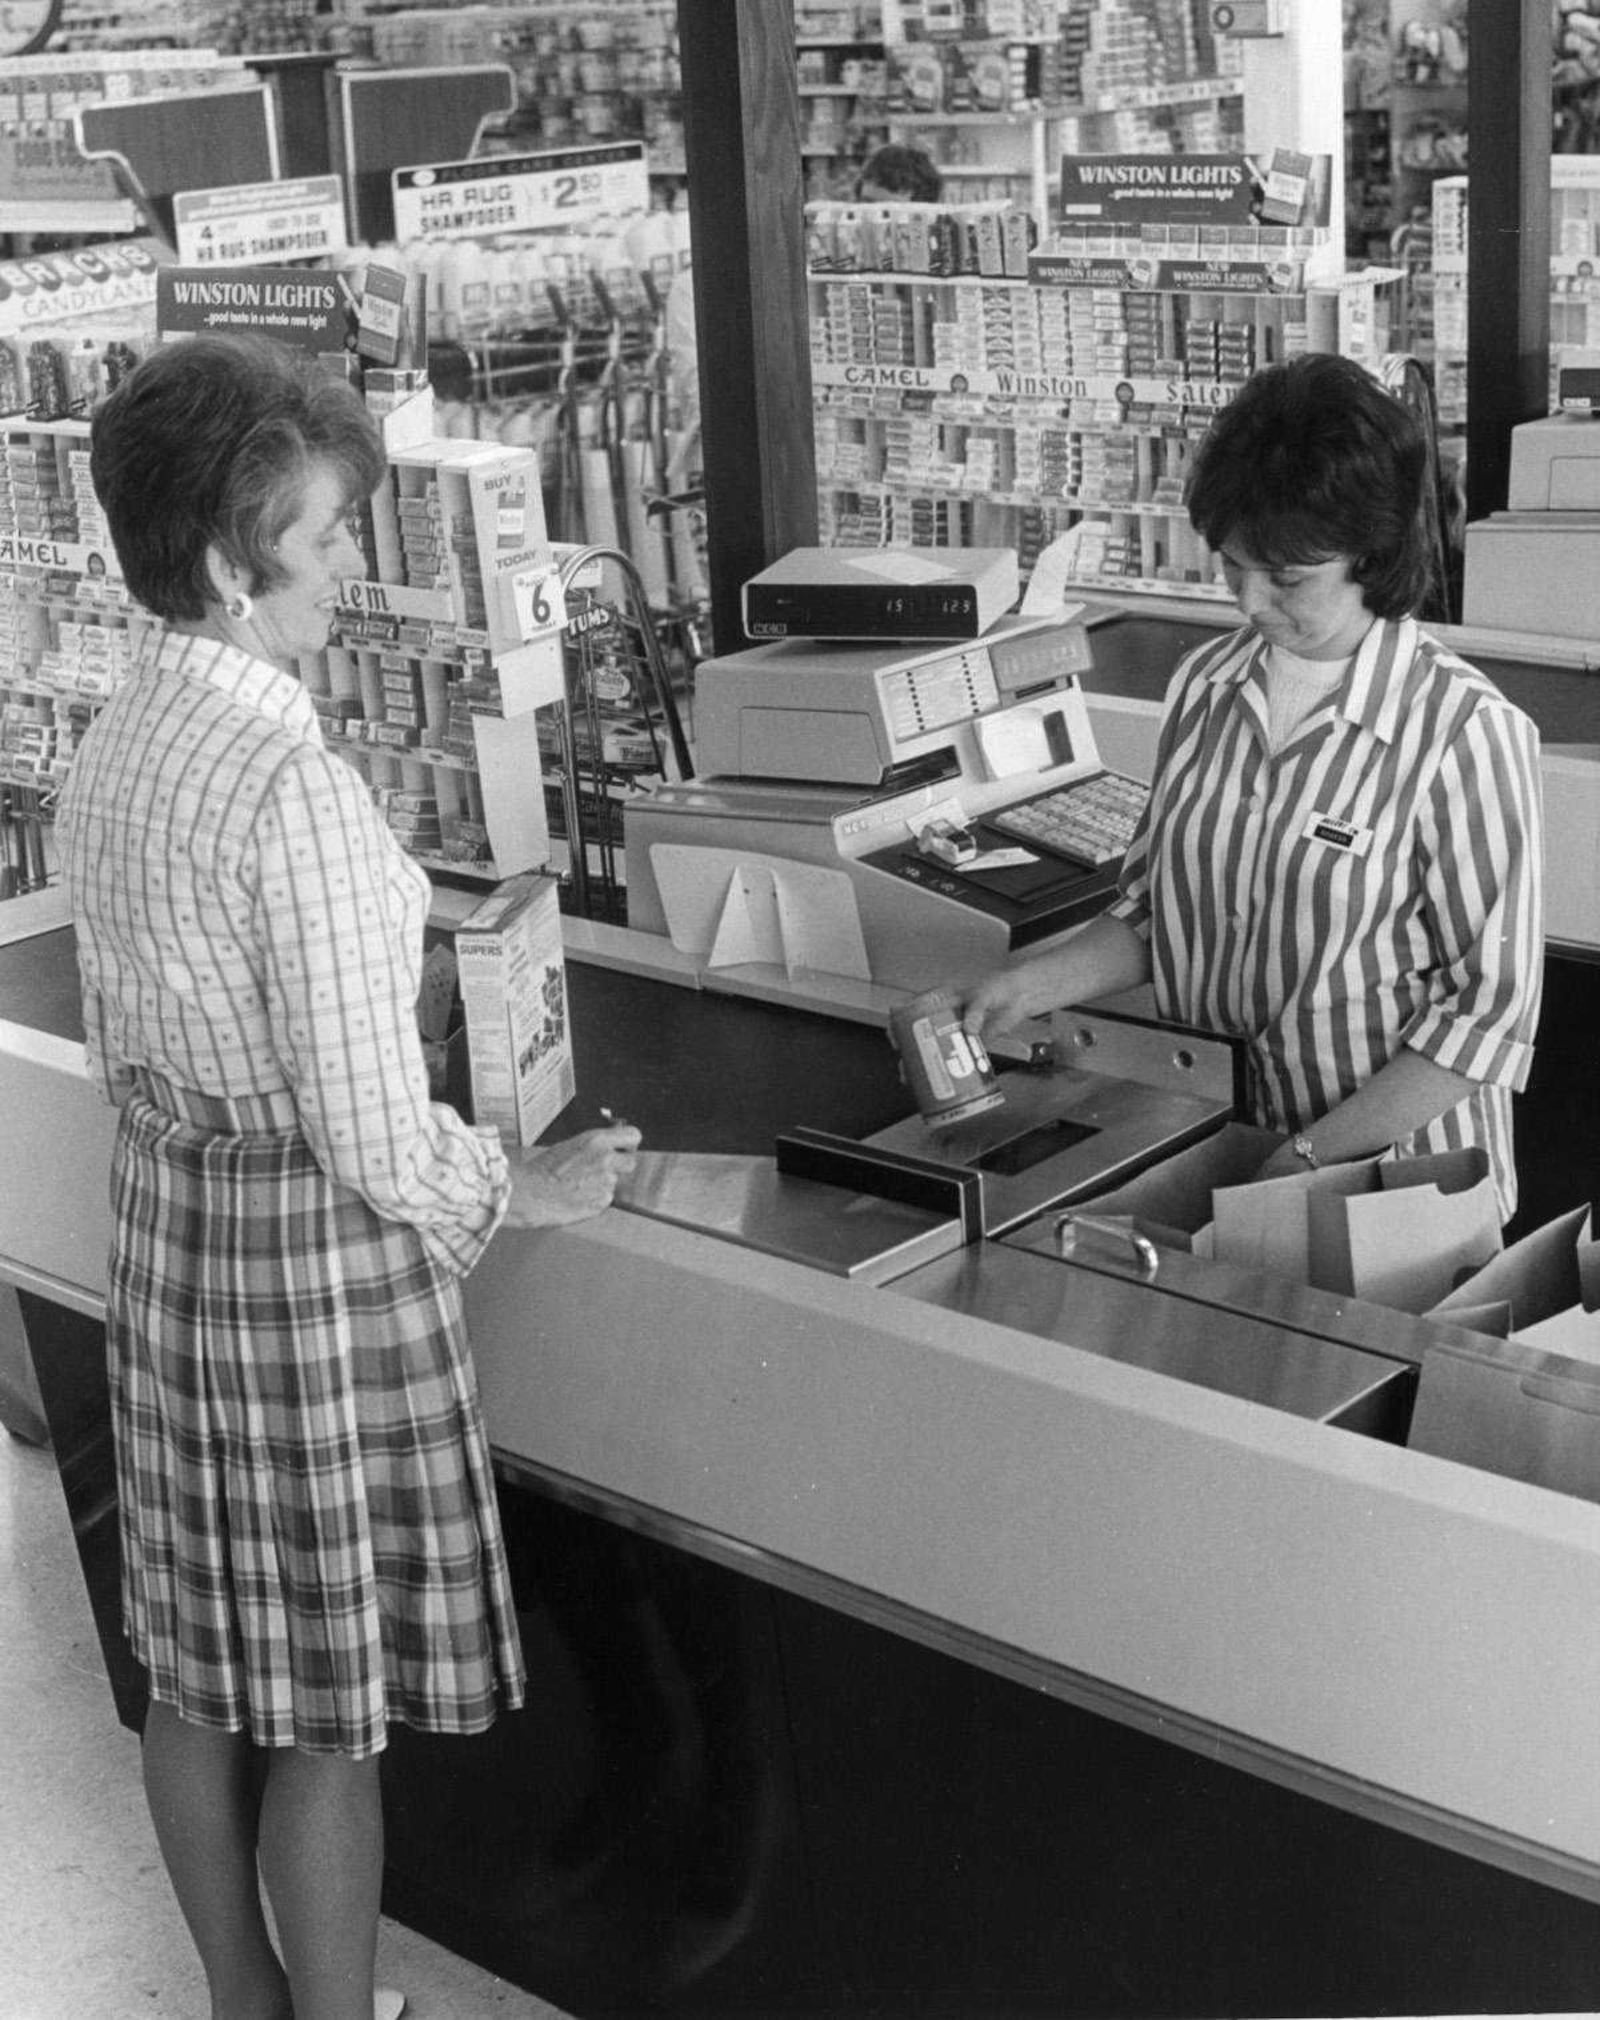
point(537, 599)
point(260, 224)
point(569, 187)
point(393, 599)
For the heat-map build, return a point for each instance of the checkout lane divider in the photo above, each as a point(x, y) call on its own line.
point(911, 1181)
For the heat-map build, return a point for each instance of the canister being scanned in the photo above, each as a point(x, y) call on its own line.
point(947, 1069)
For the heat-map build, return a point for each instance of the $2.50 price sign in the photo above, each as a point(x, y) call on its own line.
point(568, 187)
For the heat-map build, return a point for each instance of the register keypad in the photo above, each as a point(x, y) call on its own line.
point(1090, 821)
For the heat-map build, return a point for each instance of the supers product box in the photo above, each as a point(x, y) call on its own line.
point(514, 992)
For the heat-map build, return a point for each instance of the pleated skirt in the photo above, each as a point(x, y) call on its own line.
point(311, 1543)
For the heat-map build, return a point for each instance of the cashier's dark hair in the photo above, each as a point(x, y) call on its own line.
point(1314, 459)
point(212, 439)
point(906, 172)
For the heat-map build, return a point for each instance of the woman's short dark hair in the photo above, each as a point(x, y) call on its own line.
point(1314, 459)
point(905, 172)
point(211, 439)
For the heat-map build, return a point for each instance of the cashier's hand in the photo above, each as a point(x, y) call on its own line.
point(1284, 1162)
point(554, 1184)
point(1003, 1000)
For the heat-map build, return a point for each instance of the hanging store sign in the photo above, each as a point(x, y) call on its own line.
point(260, 223)
point(53, 288)
point(569, 187)
point(300, 306)
point(1195, 191)
point(1133, 189)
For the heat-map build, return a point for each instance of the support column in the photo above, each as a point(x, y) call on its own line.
point(741, 120)
point(1508, 242)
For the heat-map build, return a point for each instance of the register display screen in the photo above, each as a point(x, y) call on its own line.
point(1036, 659)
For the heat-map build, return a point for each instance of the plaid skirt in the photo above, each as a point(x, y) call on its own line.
point(310, 1539)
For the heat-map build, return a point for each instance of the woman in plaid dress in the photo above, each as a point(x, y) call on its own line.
point(311, 1547)
point(1341, 858)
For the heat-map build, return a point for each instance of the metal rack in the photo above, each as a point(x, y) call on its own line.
point(582, 758)
point(23, 865)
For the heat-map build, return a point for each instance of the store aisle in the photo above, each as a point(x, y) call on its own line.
point(88, 1927)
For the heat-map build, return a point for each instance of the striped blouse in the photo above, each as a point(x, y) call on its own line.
point(1374, 884)
point(246, 924)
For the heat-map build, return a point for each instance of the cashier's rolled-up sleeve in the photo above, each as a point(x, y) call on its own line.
point(1481, 841)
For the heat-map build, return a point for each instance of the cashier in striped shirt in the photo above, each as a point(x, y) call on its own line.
point(1341, 858)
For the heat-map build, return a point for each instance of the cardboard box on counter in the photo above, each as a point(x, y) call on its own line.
point(514, 990)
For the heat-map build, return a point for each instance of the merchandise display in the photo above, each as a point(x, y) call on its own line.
point(46, 185)
point(843, 82)
point(446, 661)
point(70, 326)
point(996, 370)
point(978, 388)
point(998, 92)
point(887, 1308)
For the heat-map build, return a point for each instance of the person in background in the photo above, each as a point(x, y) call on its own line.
point(899, 174)
point(311, 1545)
point(1340, 859)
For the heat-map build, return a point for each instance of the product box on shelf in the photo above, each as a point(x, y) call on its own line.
point(514, 992)
point(465, 520)
point(116, 279)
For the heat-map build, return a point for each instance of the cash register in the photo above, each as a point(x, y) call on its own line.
point(954, 787)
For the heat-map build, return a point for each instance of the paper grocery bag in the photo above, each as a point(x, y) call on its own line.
point(1528, 1405)
point(1493, 1318)
point(1431, 1222)
point(1398, 1231)
point(1550, 1284)
point(1281, 1224)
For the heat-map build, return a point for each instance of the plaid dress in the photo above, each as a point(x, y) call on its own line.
point(311, 1543)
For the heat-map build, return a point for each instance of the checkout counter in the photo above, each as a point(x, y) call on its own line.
point(931, 1609)
point(992, 1628)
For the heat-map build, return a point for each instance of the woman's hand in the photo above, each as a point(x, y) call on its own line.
point(1001, 1001)
point(1403, 1096)
point(554, 1184)
point(1284, 1162)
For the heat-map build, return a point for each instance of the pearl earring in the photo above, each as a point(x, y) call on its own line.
point(240, 606)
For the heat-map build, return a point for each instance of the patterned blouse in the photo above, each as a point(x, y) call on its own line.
point(1374, 884)
point(246, 924)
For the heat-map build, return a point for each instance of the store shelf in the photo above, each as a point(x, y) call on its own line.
point(1050, 388)
point(1151, 97)
point(997, 120)
point(104, 217)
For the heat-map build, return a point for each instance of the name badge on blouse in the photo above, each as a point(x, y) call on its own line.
point(1338, 834)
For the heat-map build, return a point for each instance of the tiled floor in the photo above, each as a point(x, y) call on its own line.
point(88, 1927)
